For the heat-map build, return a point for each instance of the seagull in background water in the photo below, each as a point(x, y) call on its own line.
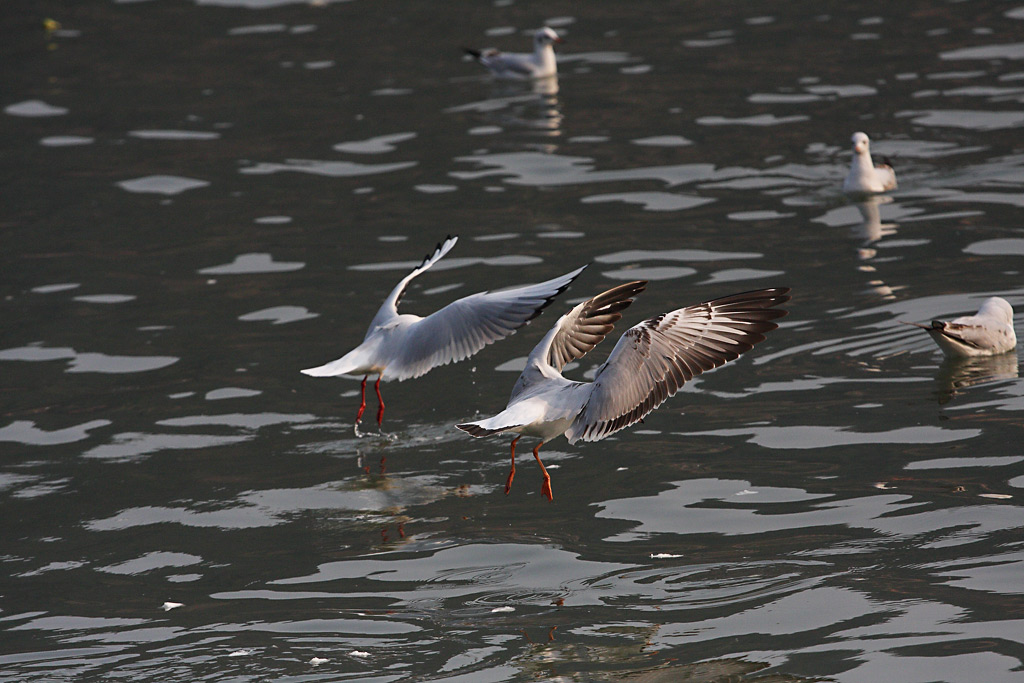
point(986, 333)
point(865, 177)
point(402, 346)
point(540, 64)
point(650, 363)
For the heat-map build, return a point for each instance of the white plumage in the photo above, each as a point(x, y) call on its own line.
point(864, 176)
point(650, 363)
point(403, 346)
point(986, 333)
point(538, 64)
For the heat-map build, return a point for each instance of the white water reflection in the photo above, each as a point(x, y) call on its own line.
point(631, 255)
point(740, 274)
point(150, 562)
point(508, 572)
point(972, 119)
point(87, 361)
point(168, 185)
point(279, 315)
point(328, 169)
point(651, 201)
point(552, 170)
point(986, 52)
point(713, 506)
point(802, 437)
point(663, 141)
point(173, 135)
point(757, 120)
point(376, 145)
point(25, 432)
point(61, 287)
point(1010, 246)
point(653, 273)
point(346, 502)
point(247, 264)
point(66, 140)
point(230, 392)
point(128, 446)
point(34, 108)
point(105, 298)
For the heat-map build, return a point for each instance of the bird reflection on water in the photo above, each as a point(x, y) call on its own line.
point(957, 374)
point(870, 231)
point(529, 106)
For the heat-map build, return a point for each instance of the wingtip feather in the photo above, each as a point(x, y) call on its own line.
point(473, 429)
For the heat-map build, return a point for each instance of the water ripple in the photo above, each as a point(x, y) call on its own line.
point(86, 361)
point(329, 169)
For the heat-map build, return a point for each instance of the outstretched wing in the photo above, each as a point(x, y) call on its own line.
point(389, 309)
point(654, 359)
point(463, 327)
point(577, 332)
point(586, 325)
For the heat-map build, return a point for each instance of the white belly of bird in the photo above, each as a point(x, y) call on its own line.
point(546, 430)
point(953, 348)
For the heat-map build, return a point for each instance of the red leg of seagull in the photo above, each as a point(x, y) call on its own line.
point(362, 404)
point(546, 486)
point(512, 472)
point(380, 411)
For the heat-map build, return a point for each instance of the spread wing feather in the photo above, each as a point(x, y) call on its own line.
point(587, 324)
point(465, 326)
point(653, 359)
point(576, 333)
point(389, 309)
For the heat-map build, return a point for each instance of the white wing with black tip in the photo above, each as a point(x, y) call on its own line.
point(389, 309)
point(465, 326)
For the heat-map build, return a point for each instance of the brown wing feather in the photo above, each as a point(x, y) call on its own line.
point(586, 325)
point(653, 359)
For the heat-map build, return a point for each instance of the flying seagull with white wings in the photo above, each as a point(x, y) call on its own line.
point(402, 346)
point(538, 64)
point(650, 363)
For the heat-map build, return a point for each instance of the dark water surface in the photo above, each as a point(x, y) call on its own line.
point(202, 198)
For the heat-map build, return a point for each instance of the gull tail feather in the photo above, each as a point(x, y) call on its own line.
point(342, 366)
point(477, 429)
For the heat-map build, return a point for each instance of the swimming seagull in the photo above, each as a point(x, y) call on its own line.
point(402, 346)
point(986, 333)
point(650, 363)
point(540, 64)
point(865, 177)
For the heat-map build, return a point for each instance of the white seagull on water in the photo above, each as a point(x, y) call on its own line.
point(986, 333)
point(865, 177)
point(402, 346)
point(650, 363)
point(540, 64)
